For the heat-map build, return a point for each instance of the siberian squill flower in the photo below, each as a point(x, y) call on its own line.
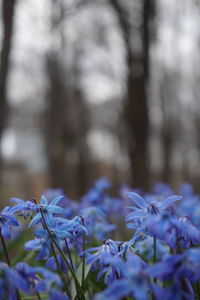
point(49, 280)
point(52, 264)
point(26, 208)
point(29, 275)
point(143, 209)
point(190, 206)
point(99, 258)
point(48, 209)
point(39, 279)
point(70, 206)
point(162, 189)
point(72, 229)
point(57, 295)
point(174, 292)
point(173, 231)
point(96, 223)
point(41, 244)
point(10, 282)
point(186, 264)
point(7, 220)
point(145, 248)
point(181, 270)
point(132, 281)
point(96, 193)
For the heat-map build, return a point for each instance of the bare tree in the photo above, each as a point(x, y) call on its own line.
point(136, 102)
point(66, 116)
point(7, 22)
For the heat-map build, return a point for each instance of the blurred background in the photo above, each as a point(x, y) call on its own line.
point(98, 87)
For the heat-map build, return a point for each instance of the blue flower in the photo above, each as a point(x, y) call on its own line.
point(48, 209)
point(102, 253)
point(39, 279)
point(96, 193)
point(177, 266)
point(7, 219)
point(10, 282)
point(174, 292)
point(51, 263)
point(136, 287)
point(71, 207)
point(26, 208)
point(173, 231)
point(143, 209)
point(95, 222)
point(49, 280)
point(72, 229)
point(132, 281)
point(41, 244)
point(179, 271)
point(190, 267)
point(145, 248)
point(190, 205)
point(162, 189)
point(166, 269)
point(57, 295)
point(29, 275)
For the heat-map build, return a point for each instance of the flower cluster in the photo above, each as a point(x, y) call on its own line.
point(67, 243)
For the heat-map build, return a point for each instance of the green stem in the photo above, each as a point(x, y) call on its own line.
point(198, 290)
point(5, 250)
point(8, 260)
point(78, 287)
point(60, 271)
point(38, 296)
point(88, 289)
point(83, 264)
point(154, 250)
point(69, 254)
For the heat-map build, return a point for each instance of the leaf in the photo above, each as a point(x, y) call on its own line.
point(79, 277)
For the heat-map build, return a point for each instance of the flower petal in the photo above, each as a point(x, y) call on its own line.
point(5, 231)
point(43, 200)
point(56, 209)
point(138, 200)
point(17, 200)
point(35, 219)
point(170, 200)
point(56, 200)
point(136, 215)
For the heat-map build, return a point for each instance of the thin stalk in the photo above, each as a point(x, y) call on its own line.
point(69, 254)
point(5, 250)
point(83, 264)
point(32, 297)
point(38, 296)
point(8, 260)
point(88, 289)
point(60, 271)
point(154, 250)
point(78, 287)
point(198, 290)
point(58, 265)
point(154, 257)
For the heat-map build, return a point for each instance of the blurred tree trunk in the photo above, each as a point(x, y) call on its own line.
point(66, 132)
point(54, 124)
point(8, 7)
point(166, 130)
point(66, 116)
point(136, 105)
point(170, 124)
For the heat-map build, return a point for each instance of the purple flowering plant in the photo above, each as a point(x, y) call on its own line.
point(83, 250)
